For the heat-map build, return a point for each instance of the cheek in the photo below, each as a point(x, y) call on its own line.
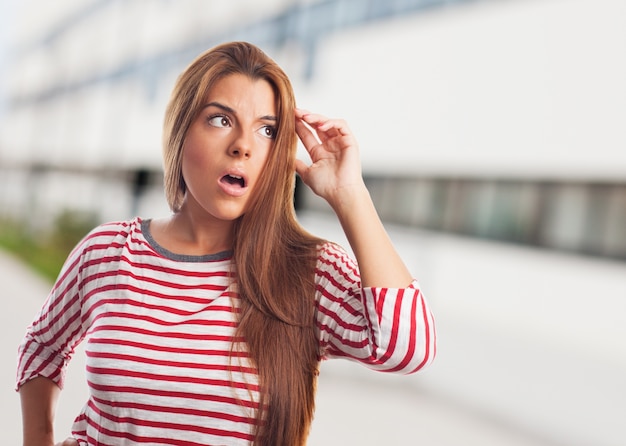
point(192, 154)
point(263, 161)
point(198, 157)
point(194, 165)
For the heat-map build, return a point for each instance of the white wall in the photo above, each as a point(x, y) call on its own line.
point(530, 88)
point(516, 87)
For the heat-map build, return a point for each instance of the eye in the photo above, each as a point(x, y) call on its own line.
point(219, 121)
point(268, 131)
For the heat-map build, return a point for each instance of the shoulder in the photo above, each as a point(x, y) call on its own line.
point(103, 244)
point(330, 250)
point(109, 236)
point(112, 231)
point(336, 261)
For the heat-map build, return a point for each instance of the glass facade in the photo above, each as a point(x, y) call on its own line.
point(581, 217)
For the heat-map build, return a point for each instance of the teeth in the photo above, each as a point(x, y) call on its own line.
point(235, 179)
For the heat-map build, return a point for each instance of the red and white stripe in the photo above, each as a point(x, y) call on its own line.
point(161, 368)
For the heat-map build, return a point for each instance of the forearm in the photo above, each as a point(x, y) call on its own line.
point(38, 397)
point(379, 263)
point(335, 175)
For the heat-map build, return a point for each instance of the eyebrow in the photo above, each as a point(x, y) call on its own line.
point(230, 110)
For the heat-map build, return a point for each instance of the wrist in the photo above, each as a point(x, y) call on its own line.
point(347, 198)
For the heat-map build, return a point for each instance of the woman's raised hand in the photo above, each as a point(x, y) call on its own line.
point(335, 171)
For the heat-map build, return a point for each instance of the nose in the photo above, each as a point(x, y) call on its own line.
point(242, 145)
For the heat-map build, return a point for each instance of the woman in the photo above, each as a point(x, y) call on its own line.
point(208, 326)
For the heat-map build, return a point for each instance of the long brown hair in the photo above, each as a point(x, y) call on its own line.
point(274, 257)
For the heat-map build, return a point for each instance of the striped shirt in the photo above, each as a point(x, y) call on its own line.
point(159, 330)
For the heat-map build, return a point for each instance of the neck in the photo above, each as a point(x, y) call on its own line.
point(188, 233)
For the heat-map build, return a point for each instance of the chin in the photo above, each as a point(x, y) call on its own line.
point(229, 216)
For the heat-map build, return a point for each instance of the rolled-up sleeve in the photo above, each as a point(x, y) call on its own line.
point(50, 340)
point(387, 329)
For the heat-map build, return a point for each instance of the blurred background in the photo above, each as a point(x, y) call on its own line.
point(493, 141)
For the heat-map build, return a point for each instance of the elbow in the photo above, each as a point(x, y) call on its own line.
point(423, 361)
point(409, 359)
point(428, 350)
point(418, 353)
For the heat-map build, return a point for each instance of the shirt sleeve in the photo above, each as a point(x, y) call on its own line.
point(387, 329)
point(51, 338)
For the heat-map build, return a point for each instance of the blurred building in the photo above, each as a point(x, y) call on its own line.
point(494, 119)
point(497, 120)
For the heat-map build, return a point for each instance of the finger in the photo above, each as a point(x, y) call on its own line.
point(306, 135)
point(300, 112)
point(327, 128)
point(301, 168)
point(322, 127)
point(314, 120)
point(340, 125)
point(321, 122)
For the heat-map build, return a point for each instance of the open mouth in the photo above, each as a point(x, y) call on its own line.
point(234, 180)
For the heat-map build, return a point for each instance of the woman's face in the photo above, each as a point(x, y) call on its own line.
point(227, 145)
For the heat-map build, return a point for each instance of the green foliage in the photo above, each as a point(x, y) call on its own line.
point(70, 227)
point(45, 251)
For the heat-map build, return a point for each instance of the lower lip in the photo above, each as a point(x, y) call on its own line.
point(232, 189)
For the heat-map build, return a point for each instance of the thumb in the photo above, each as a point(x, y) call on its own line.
point(302, 169)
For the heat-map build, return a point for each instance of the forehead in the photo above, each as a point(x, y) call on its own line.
point(242, 92)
